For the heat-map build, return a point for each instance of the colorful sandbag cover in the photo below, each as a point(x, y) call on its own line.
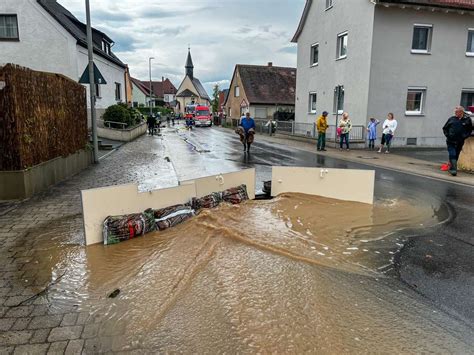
point(210, 201)
point(120, 228)
point(171, 216)
point(235, 195)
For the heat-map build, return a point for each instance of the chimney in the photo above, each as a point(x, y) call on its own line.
point(162, 79)
point(270, 64)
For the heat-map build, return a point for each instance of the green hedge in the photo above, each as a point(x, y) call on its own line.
point(121, 113)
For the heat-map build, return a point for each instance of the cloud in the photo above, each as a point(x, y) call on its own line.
point(221, 34)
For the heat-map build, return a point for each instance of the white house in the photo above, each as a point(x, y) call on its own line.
point(43, 35)
point(414, 58)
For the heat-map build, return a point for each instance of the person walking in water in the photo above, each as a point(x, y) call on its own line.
point(372, 132)
point(322, 127)
point(248, 124)
point(456, 130)
point(346, 126)
point(389, 128)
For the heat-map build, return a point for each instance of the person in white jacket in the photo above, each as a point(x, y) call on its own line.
point(389, 127)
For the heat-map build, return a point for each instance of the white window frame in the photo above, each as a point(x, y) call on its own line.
point(329, 4)
point(423, 91)
point(310, 101)
point(118, 92)
point(237, 91)
point(428, 41)
point(471, 52)
point(467, 91)
point(340, 37)
point(313, 64)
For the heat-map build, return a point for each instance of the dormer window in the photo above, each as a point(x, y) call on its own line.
point(106, 46)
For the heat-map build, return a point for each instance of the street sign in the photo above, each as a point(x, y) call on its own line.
point(98, 77)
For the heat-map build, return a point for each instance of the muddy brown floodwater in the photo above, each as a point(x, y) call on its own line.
point(295, 274)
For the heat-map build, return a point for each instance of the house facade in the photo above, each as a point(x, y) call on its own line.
point(261, 90)
point(141, 94)
point(43, 35)
point(190, 91)
point(370, 57)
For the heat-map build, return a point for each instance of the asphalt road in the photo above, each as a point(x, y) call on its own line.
point(436, 262)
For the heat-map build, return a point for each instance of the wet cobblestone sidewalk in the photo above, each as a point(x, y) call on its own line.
point(29, 322)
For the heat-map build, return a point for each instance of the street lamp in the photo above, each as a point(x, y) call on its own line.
point(92, 83)
point(151, 108)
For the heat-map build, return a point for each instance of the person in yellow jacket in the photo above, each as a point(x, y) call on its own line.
point(322, 126)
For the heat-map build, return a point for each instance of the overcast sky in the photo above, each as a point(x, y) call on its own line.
point(221, 33)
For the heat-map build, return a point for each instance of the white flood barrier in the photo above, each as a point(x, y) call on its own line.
point(221, 182)
point(98, 204)
point(341, 184)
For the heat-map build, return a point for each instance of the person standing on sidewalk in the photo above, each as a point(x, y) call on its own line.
point(389, 127)
point(372, 132)
point(248, 124)
point(457, 129)
point(346, 126)
point(322, 127)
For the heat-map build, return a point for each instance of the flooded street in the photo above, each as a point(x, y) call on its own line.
point(294, 274)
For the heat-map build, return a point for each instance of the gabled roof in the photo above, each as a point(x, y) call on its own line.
point(467, 5)
point(201, 91)
point(143, 88)
point(78, 29)
point(268, 85)
point(304, 16)
point(160, 88)
point(187, 93)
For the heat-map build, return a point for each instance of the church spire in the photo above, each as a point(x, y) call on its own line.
point(189, 65)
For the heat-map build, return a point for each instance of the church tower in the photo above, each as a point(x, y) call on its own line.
point(189, 65)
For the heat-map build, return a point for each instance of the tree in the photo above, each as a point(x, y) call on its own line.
point(215, 99)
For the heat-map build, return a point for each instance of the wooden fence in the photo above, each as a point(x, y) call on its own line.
point(42, 116)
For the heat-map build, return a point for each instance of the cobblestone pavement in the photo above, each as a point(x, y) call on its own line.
point(29, 322)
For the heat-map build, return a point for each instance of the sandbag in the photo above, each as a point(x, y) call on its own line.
point(235, 195)
point(171, 216)
point(210, 201)
point(120, 228)
point(250, 136)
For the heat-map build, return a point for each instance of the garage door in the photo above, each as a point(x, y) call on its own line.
point(261, 112)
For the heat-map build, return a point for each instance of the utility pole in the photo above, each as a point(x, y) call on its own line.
point(339, 90)
point(92, 83)
point(151, 92)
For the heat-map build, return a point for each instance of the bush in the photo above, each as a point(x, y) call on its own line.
point(118, 113)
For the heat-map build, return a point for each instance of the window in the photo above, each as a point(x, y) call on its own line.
point(422, 39)
point(97, 91)
point(9, 28)
point(415, 101)
point(314, 54)
point(236, 91)
point(106, 46)
point(470, 43)
point(312, 102)
point(342, 45)
point(118, 92)
point(328, 4)
point(338, 99)
point(467, 99)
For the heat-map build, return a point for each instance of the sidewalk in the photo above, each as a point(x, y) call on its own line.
point(402, 162)
point(30, 322)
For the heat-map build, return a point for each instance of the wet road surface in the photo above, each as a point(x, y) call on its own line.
point(284, 275)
